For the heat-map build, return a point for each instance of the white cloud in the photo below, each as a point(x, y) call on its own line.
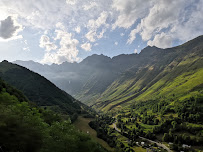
point(77, 29)
point(26, 49)
point(101, 34)
point(129, 12)
point(116, 43)
point(96, 44)
point(91, 36)
point(94, 25)
point(60, 26)
point(89, 6)
point(132, 36)
point(190, 26)
point(158, 22)
point(161, 40)
point(71, 2)
point(135, 51)
point(101, 20)
point(86, 46)
point(38, 14)
point(122, 34)
point(45, 43)
point(67, 52)
point(161, 16)
point(170, 20)
point(9, 28)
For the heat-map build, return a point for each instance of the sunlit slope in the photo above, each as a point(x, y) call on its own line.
point(177, 72)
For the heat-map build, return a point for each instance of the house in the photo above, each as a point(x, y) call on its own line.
point(186, 146)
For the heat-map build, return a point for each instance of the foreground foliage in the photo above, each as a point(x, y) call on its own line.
point(26, 128)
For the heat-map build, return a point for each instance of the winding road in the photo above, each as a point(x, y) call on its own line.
point(151, 141)
point(159, 144)
point(115, 127)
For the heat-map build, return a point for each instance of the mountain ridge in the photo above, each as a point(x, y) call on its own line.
point(37, 88)
point(98, 76)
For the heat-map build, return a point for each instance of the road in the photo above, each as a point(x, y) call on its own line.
point(151, 141)
point(159, 144)
point(115, 127)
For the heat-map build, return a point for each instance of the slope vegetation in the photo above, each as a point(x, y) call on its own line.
point(31, 129)
point(37, 88)
point(110, 83)
point(175, 72)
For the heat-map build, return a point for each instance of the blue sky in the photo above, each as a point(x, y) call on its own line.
point(69, 30)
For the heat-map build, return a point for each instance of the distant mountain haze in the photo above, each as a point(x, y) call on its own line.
point(37, 88)
point(107, 83)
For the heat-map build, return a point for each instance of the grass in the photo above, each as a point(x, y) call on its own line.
point(139, 149)
point(179, 81)
point(82, 124)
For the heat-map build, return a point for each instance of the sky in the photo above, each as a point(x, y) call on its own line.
point(55, 31)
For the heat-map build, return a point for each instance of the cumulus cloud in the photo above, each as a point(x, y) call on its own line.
point(129, 12)
point(91, 36)
point(132, 36)
point(161, 40)
point(94, 25)
point(157, 22)
point(169, 20)
point(60, 25)
point(71, 2)
point(101, 34)
point(101, 20)
point(45, 43)
point(77, 29)
point(90, 5)
point(86, 46)
point(26, 49)
point(68, 49)
point(9, 28)
point(161, 16)
point(96, 44)
point(190, 25)
point(38, 14)
point(116, 43)
point(122, 34)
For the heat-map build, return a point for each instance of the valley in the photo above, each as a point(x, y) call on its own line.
point(101, 76)
point(152, 101)
point(106, 83)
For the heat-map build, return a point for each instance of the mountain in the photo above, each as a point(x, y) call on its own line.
point(37, 88)
point(110, 83)
point(77, 78)
point(160, 73)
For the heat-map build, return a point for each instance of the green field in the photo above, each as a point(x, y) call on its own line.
point(82, 124)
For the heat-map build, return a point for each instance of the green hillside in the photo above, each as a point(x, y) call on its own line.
point(26, 128)
point(38, 89)
point(108, 83)
point(168, 73)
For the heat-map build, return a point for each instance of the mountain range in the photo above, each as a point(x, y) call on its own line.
point(110, 83)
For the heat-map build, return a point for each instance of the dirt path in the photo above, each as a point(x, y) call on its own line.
point(83, 124)
point(115, 127)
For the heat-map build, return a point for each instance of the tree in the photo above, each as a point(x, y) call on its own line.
point(165, 137)
point(174, 124)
